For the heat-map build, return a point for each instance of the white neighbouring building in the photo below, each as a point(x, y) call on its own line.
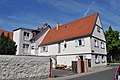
point(82, 38)
point(27, 40)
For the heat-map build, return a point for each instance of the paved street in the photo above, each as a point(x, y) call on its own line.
point(62, 73)
point(104, 75)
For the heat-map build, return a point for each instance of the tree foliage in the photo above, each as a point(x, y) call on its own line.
point(112, 41)
point(7, 45)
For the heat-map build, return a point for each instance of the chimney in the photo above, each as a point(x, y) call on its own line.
point(57, 26)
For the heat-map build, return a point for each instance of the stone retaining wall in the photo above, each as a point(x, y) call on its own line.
point(24, 67)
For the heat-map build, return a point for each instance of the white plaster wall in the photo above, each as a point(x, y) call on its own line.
point(97, 34)
point(98, 22)
point(66, 60)
point(71, 49)
point(18, 38)
point(26, 41)
point(88, 56)
point(52, 50)
point(98, 50)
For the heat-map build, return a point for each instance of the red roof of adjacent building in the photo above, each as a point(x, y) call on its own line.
point(6, 32)
point(75, 29)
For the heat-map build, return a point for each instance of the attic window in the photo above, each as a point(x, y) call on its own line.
point(98, 29)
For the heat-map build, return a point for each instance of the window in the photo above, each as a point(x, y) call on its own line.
point(44, 49)
point(26, 46)
point(103, 59)
point(64, 44)
point(96, 43)
point(23, 45)
point(26, 36)
point(24, 33)
point(98, 29)
point(79, 42)
point(32, 47)
point(97, 59)
point(102, 45)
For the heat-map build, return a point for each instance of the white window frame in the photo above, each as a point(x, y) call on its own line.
point(103, 59)
point(97, 59)
point(96, 43)
point(98, 29)
point(77, 42)
point(102, 45)
point(25, 47)
point(26, 35)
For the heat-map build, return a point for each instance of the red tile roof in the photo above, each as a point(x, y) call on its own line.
point(75, 29)
point(6, 32)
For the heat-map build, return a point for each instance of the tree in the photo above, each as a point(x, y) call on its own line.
point(112, 42)
point(7, 45)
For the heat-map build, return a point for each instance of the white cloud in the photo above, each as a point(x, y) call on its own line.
point(89, 7)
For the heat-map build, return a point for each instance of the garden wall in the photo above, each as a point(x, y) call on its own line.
point(24, 67)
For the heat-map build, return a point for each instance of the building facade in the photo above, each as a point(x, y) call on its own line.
point(65, 43)
point(82, 38)
point(27, 40)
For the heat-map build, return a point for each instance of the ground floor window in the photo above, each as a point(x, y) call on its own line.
point(103, 59)
point(25, 48)
point(97, 59)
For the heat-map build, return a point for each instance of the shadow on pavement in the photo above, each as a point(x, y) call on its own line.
point(62, 73)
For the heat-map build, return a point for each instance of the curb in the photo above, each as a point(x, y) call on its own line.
point(80, 75)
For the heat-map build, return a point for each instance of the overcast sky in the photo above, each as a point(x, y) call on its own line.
point(34, 13)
